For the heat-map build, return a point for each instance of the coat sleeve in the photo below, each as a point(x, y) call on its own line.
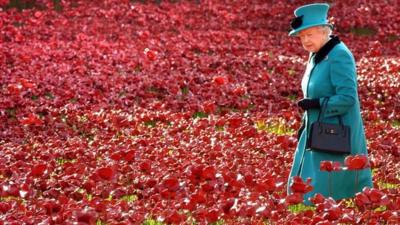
point(344, 80)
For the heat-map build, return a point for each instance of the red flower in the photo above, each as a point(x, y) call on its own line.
point(329, 166)
point(106, 173)
point(150, 54)
point(145, 166)
point(220, 80)
point(26, 83)
point(227, 205)
point(86, 217)
point(239, 91)
point(234, 122)
point(5, 207)
point(130, 155)
point(39, 170)
point(212, 215)
point(361, 199)
point(14, 89)
point(31, 120)
point(268, 184)
point(376, 197)
point(209, 107)
point(171, 183)
point(294, 198)
point(356, 162)
point(298, 186)
point(51, 207)
point(317, 199)
point(174, 217)
point(208, 173)
point(199, 197)
point(4, 2)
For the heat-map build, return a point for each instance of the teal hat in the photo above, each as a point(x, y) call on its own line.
point(309, 16)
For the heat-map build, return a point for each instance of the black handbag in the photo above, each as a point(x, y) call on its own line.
point(330, 138)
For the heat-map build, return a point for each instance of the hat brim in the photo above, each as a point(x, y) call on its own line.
point(294, 32)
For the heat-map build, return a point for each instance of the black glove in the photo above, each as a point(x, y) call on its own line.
point(308, 103)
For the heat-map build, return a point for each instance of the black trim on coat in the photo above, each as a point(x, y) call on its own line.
point(323, 52)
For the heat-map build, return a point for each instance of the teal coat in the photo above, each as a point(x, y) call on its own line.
point(333, 77)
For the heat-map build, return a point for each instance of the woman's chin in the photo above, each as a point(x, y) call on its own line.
point(309, 49)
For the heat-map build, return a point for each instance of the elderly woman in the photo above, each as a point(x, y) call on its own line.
point(330, 76)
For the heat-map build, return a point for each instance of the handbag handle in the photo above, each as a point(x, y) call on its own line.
point(323, 109)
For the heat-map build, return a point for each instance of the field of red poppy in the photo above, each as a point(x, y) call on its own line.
point(181, 112)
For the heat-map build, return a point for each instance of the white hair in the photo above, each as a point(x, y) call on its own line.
point(326, 29)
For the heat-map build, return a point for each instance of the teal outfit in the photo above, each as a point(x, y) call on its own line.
point(334, 76)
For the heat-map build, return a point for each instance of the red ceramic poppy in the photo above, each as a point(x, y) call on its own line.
point(298, 186)
point(329, 166)
point(356, 162)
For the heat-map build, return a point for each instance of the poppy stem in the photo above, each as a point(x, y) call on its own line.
point(330, 184)
point(356, 186)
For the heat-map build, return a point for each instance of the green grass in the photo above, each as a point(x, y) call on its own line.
point(21, 5)
point(363, 31)
point(138, 68)
point(380, 209)
point(89, 197)
point(384, 185)
point(11, 113)
point(291, 72)
point(350, 203)
point(152, 222)
point(392, 37)
point(373, 171)
point(292, 97)
point(151, 123)
point(298, 208)
point(275, 127)
point(396, 123)
point(9, 198)
point(189, 221)
point(61, 161)
point(185, 90)
point(199, 114)
point(129, 198)
point(49, 95)
point(99, 222)
point(219, 128)
point(219, 222)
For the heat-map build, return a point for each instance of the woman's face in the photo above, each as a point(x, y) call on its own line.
point(313, 38)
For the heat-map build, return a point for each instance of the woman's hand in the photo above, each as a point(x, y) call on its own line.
point(308, 103)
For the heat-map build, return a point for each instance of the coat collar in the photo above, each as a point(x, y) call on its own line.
point(323, 52)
